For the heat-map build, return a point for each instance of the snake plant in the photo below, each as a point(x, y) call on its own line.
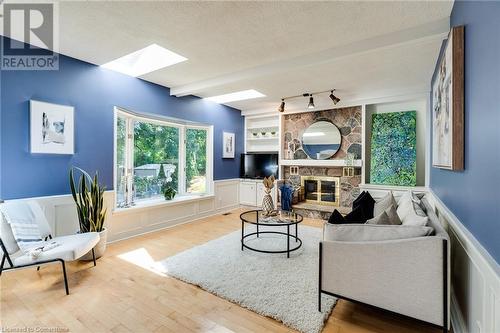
point(89, 199)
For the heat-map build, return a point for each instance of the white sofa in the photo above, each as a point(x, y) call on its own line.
point(407, 276)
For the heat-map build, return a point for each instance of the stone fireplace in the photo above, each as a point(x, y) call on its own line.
point(322, 188)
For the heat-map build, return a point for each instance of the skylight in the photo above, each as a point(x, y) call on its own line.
point(146, 60)
point(236, 96)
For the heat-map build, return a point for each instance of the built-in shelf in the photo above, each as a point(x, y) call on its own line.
point(262, 124)
point(320, 163)
point(263, 139)
point(263, 129)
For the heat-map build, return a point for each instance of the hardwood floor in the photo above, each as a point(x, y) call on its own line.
point(124, 293)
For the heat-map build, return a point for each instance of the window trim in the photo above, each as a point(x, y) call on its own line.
point(182, 125)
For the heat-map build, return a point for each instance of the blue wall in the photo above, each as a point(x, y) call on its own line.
point(473, 195)
point(93, 91)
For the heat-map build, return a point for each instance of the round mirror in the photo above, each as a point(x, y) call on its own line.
point(321, 140)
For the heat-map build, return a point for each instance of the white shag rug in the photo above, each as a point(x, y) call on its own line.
point(273, 285)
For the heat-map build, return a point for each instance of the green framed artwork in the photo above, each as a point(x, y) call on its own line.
point(394, 148)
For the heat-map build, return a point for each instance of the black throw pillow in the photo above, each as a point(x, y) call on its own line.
point(336, 218)
point(366, 202)
point(356, 201)
point(357, 215)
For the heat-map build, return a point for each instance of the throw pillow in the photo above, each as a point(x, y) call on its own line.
point(405, 205)
point(366, 202)
point(358, 199)
point(393, 215)
point(380, 219)
point(412, 219)
point(384, 203)
point(357, 215)
point(336, 218)
point(417, 205)
point(372, 232)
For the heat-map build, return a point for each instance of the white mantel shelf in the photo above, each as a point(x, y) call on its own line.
point(320, 163)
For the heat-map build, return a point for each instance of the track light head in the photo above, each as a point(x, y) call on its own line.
point(311, 102)
point(334, 98)
point(282, 106)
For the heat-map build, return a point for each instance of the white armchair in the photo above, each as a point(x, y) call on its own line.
point(69, 248)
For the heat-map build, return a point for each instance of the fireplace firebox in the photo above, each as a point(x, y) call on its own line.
point(321, 190)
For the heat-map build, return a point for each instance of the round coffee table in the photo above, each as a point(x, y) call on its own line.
point(283, 219)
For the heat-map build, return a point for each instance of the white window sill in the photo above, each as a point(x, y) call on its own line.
point(161, 202)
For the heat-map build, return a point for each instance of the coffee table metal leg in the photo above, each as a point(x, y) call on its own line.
point(288, 241)
point(296, 232)
point(242, 233)
point(257, 230)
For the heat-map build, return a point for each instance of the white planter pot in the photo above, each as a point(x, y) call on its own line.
point(100, 248)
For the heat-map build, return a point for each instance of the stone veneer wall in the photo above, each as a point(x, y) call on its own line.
point(348, 120)
point(349, 186)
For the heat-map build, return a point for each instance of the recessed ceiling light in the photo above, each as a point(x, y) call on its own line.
point(146, 60)
point(236, 96)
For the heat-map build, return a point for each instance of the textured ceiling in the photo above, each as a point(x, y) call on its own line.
point(220, 38)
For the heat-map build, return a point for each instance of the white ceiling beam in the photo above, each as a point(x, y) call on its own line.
point(436, 29)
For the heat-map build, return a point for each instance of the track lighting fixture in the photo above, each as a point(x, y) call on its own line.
point(334, 98)
point(310, 105)
point(311, 102)
point(282, 106)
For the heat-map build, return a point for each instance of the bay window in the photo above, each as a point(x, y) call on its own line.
point(155, 154)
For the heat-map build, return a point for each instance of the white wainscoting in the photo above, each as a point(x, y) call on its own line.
point(475, 276)
point(61, 214)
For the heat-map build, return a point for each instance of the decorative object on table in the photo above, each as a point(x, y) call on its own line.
point(448, 105)
point(267, 200)
point(51, 128)
point(264, 134)
point(255, 134)
point(168, 192)
point(286, 197)
point(394, 148)
point(88, 195)
point(348, 170)
point(321, 140)
point(273, 134)
point(227, 145)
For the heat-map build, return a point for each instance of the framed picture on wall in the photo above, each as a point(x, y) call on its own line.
point(448, 105)
point(227, 145)
point(51, 128)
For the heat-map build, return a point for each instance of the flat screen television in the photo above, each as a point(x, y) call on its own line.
point(259, 165)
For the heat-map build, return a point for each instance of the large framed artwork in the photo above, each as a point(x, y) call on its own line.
point(448, 105)
point(227, 145)
point(51, 128)
point(394, 148)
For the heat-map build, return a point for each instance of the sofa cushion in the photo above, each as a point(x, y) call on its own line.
point(366, 202)
point(384, 203)
point(372, 232)
point(70, 248)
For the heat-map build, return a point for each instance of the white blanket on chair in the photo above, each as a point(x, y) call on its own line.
point(22, 219)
